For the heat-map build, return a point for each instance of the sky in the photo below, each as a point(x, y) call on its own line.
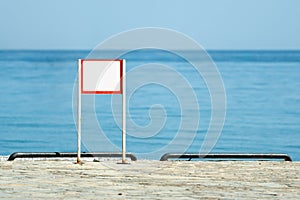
point(215, 24)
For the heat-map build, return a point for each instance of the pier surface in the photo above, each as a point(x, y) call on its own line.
point(62, 179)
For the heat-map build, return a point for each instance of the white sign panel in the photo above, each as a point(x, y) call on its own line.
point(101, 76)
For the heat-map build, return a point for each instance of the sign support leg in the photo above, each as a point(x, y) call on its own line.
point(79, 114)
point(124, 112)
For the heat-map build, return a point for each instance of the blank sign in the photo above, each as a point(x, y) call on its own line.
point(101, 76)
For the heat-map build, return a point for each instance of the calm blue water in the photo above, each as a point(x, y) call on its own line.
point(262, 88)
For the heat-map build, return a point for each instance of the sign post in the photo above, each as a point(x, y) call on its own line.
point(124, 112)
point(102, 77)
point(79, 114)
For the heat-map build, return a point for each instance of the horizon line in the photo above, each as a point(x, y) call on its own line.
point(213, 49)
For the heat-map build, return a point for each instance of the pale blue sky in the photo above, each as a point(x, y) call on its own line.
point(215, 24)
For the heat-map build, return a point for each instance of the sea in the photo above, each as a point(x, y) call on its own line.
point(262, 97)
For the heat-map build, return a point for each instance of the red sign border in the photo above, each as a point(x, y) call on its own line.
point(102, 92)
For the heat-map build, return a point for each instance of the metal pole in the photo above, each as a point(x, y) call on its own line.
point(79, 114)
point(124, 112)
